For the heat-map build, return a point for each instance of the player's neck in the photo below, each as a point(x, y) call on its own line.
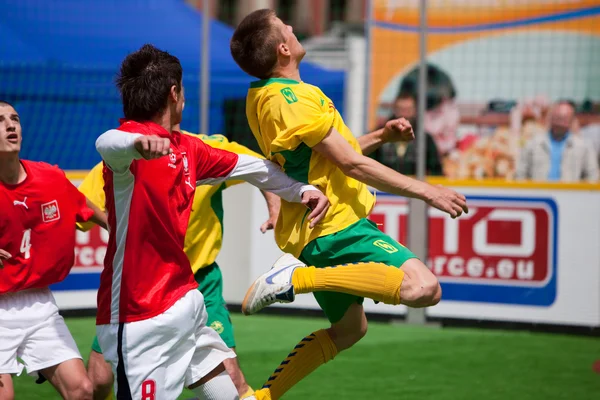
point(11, 170)
point(164, 120)
point(287, 73)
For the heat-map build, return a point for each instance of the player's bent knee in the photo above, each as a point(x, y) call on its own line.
point(84, 390)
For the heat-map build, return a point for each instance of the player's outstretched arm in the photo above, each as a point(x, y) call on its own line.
point(362, 168)
point(118, 149)
point(267, 175)
point(396, 130)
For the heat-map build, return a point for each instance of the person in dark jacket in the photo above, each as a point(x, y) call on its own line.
point(402, 156)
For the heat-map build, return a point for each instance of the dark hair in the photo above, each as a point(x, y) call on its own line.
point(439, 85)
point(254, 44)
point(145, 81)
point(407, 95)
point(6, 103)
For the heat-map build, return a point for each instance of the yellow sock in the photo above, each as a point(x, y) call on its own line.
point(376, 281)
point(312, 351)
point(248, 393)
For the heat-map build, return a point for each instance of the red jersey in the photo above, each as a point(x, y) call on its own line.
point(148, 203)
point(37, 227)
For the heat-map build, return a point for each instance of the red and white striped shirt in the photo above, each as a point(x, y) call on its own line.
point(148, 203)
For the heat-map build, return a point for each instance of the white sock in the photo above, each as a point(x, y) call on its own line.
point(220, 387)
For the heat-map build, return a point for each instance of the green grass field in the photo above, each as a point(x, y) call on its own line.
point(405, 362)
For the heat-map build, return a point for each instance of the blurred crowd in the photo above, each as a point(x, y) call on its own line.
point(532, 139)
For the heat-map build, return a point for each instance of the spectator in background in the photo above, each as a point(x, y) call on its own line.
point(442, 117)
point(591, 134)
point(559, 155)
point(402, 156)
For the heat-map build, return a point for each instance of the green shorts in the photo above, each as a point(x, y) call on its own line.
point(361, 241)
point(210, 283)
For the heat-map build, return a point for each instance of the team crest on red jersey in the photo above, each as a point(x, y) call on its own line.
point(186, 165)
point(172, 160)
point(50, 211)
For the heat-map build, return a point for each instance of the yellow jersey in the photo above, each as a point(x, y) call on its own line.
point(288, 118)
point(204, 236)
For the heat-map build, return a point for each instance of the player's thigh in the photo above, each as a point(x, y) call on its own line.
point(151, 357)
point(210, 349)
point(7, 390)
point(49, 344)
point(360, 242)
point(70, 379)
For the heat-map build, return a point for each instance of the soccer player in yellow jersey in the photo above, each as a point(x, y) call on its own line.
point(299, 128)
point(202, 245)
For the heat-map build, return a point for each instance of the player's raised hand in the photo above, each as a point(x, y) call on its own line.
point(398, 130)
point(4, 255)
point(447, 200)
point(151, 147)
point(318, 203)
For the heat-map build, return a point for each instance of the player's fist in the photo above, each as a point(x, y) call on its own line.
point(398, 130)
point(4, 255)
point(151, 147)
point(447, 200)
point(318, 203)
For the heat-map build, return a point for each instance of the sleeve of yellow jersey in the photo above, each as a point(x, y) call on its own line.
point(305, 118)
point(93, 188)
point(221, 142)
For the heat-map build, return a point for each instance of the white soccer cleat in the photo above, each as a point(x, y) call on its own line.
point(274, 286)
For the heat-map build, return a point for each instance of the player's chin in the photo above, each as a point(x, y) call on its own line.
point(8, 147)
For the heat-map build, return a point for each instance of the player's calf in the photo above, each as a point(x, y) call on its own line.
point(420, 288)
point(350, 329)
point(216, 385)
point(70, 380)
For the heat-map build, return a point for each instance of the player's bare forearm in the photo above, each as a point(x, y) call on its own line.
point(335, 148)
point(99, 217)
point(371, 141)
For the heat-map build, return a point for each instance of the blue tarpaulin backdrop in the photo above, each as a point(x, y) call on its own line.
point(58, 61)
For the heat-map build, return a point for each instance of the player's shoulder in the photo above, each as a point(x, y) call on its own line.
point(43, 168)
point(135, 127)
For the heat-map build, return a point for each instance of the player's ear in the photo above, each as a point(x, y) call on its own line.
point(174, 94)
point(284, 50)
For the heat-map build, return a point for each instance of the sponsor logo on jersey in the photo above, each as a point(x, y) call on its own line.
point(50, 211)
point(502, 251)
point(289, 95)
point(21, 203)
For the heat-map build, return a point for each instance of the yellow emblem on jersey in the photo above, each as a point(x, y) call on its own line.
point(382, 244)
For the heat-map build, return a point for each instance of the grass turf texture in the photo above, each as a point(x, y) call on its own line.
point(404, 362)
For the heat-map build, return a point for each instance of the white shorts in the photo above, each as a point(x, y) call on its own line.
point(157, 357)
point(32, 330)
